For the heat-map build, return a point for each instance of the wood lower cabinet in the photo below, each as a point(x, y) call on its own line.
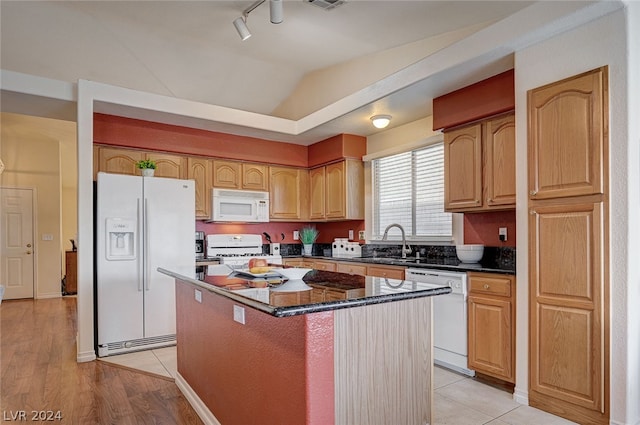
point(351, 268)
point(288, 193)
point(480, 166)
point(325, 265)
point(199, 170)
point(71, 273)
point(289, 298)
point(391, 272)
point(491, 325)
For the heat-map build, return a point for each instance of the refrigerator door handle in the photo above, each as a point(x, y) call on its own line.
point(140, 265)
point(147, 274)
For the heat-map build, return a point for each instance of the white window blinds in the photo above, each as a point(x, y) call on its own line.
point(408, 189)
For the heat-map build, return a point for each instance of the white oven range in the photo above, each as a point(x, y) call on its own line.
point(235, 250)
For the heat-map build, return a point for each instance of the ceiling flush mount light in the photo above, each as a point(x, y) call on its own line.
point(380, 121)
point(276, 14)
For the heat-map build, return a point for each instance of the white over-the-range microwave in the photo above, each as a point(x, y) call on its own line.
point(245, 206)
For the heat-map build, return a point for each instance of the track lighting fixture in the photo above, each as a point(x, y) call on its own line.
point(276, 14)
point(380, 121)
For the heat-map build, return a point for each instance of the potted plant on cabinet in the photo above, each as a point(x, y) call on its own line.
point(147, 166)
point(308, 236)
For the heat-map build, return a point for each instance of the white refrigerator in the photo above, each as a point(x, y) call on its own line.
point(142, 223)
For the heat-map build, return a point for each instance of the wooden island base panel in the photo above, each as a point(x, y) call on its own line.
point(366, 358)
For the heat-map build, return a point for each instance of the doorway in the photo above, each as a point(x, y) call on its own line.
point(17, 244)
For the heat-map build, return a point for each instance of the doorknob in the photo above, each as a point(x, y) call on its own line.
point(28, 252)
point(28, 245)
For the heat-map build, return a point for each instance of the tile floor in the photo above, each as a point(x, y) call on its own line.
point(458, 399)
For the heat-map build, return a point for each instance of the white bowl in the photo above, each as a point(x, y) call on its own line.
point(292, 273)
point(469, 253)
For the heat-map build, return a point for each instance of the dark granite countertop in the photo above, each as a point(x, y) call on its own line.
point(357, 291)
point(451, 264)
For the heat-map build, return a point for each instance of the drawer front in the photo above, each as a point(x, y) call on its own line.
point(500, 286)
point(351, 269)
point(388, 272)
point(322, 265)
point(333, 295)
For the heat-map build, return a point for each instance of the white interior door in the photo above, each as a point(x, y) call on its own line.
point(16, 234)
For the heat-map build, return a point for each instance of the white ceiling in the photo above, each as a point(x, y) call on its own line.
point(190, 50)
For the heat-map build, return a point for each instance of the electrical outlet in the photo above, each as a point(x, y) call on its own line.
point(350, 235)
point(47, 237)
point(296, 235)
point(198, 296)
point(502, 234)
point(238, 314)
point(361, 235)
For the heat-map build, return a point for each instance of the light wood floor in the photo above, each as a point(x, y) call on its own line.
point(39, 372)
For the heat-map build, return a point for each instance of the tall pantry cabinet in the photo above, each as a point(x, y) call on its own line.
point(568, 247)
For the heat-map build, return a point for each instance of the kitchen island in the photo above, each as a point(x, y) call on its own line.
point(350, 350)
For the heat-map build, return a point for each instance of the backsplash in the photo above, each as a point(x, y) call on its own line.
point(493, 257)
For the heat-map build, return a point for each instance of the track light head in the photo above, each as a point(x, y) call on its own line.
point(241, 26)
point(276, 11)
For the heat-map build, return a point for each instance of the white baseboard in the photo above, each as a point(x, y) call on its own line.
point(87, 356)
point(49, 295)
point(198, 405)
point(521, 396)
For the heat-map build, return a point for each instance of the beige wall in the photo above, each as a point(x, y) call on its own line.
point(32, 150)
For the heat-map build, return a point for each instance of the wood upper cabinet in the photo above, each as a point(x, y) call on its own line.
point(288, 193)
point(117, 161)
point(337, 191)
point(123, 161)
point(491, 330)
point(239, 175)
point(199, 170)
point(167, 165)
point(226, 174)
point(255, 177)
point(567, 137)
point(499, 154)
point(480, 166)
point(317, 193)
point(463, 168)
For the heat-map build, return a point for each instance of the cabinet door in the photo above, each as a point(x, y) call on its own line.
point(568, 320)
point(500, 162)
point(226, 174)
point(335, 195)
point(463, 168)
point(567, 137)
point(490, 337)
point(167, 165)
point(317, 193)
point(255, 177)
point(288, 193)
point(119, 161)
point(199, 170)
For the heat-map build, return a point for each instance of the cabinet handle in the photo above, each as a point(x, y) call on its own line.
point(532, 212)
point(486, 286)
point(533, 192)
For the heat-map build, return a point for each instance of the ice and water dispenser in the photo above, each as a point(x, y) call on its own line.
point(121, 236)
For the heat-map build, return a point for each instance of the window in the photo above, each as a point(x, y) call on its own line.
point(408, 189)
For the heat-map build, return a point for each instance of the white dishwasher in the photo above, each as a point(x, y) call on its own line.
point(449, 317)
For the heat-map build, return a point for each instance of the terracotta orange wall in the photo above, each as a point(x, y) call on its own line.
point(328, 231)
point(127, 132)
point(269, 370)
point(482, 228)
